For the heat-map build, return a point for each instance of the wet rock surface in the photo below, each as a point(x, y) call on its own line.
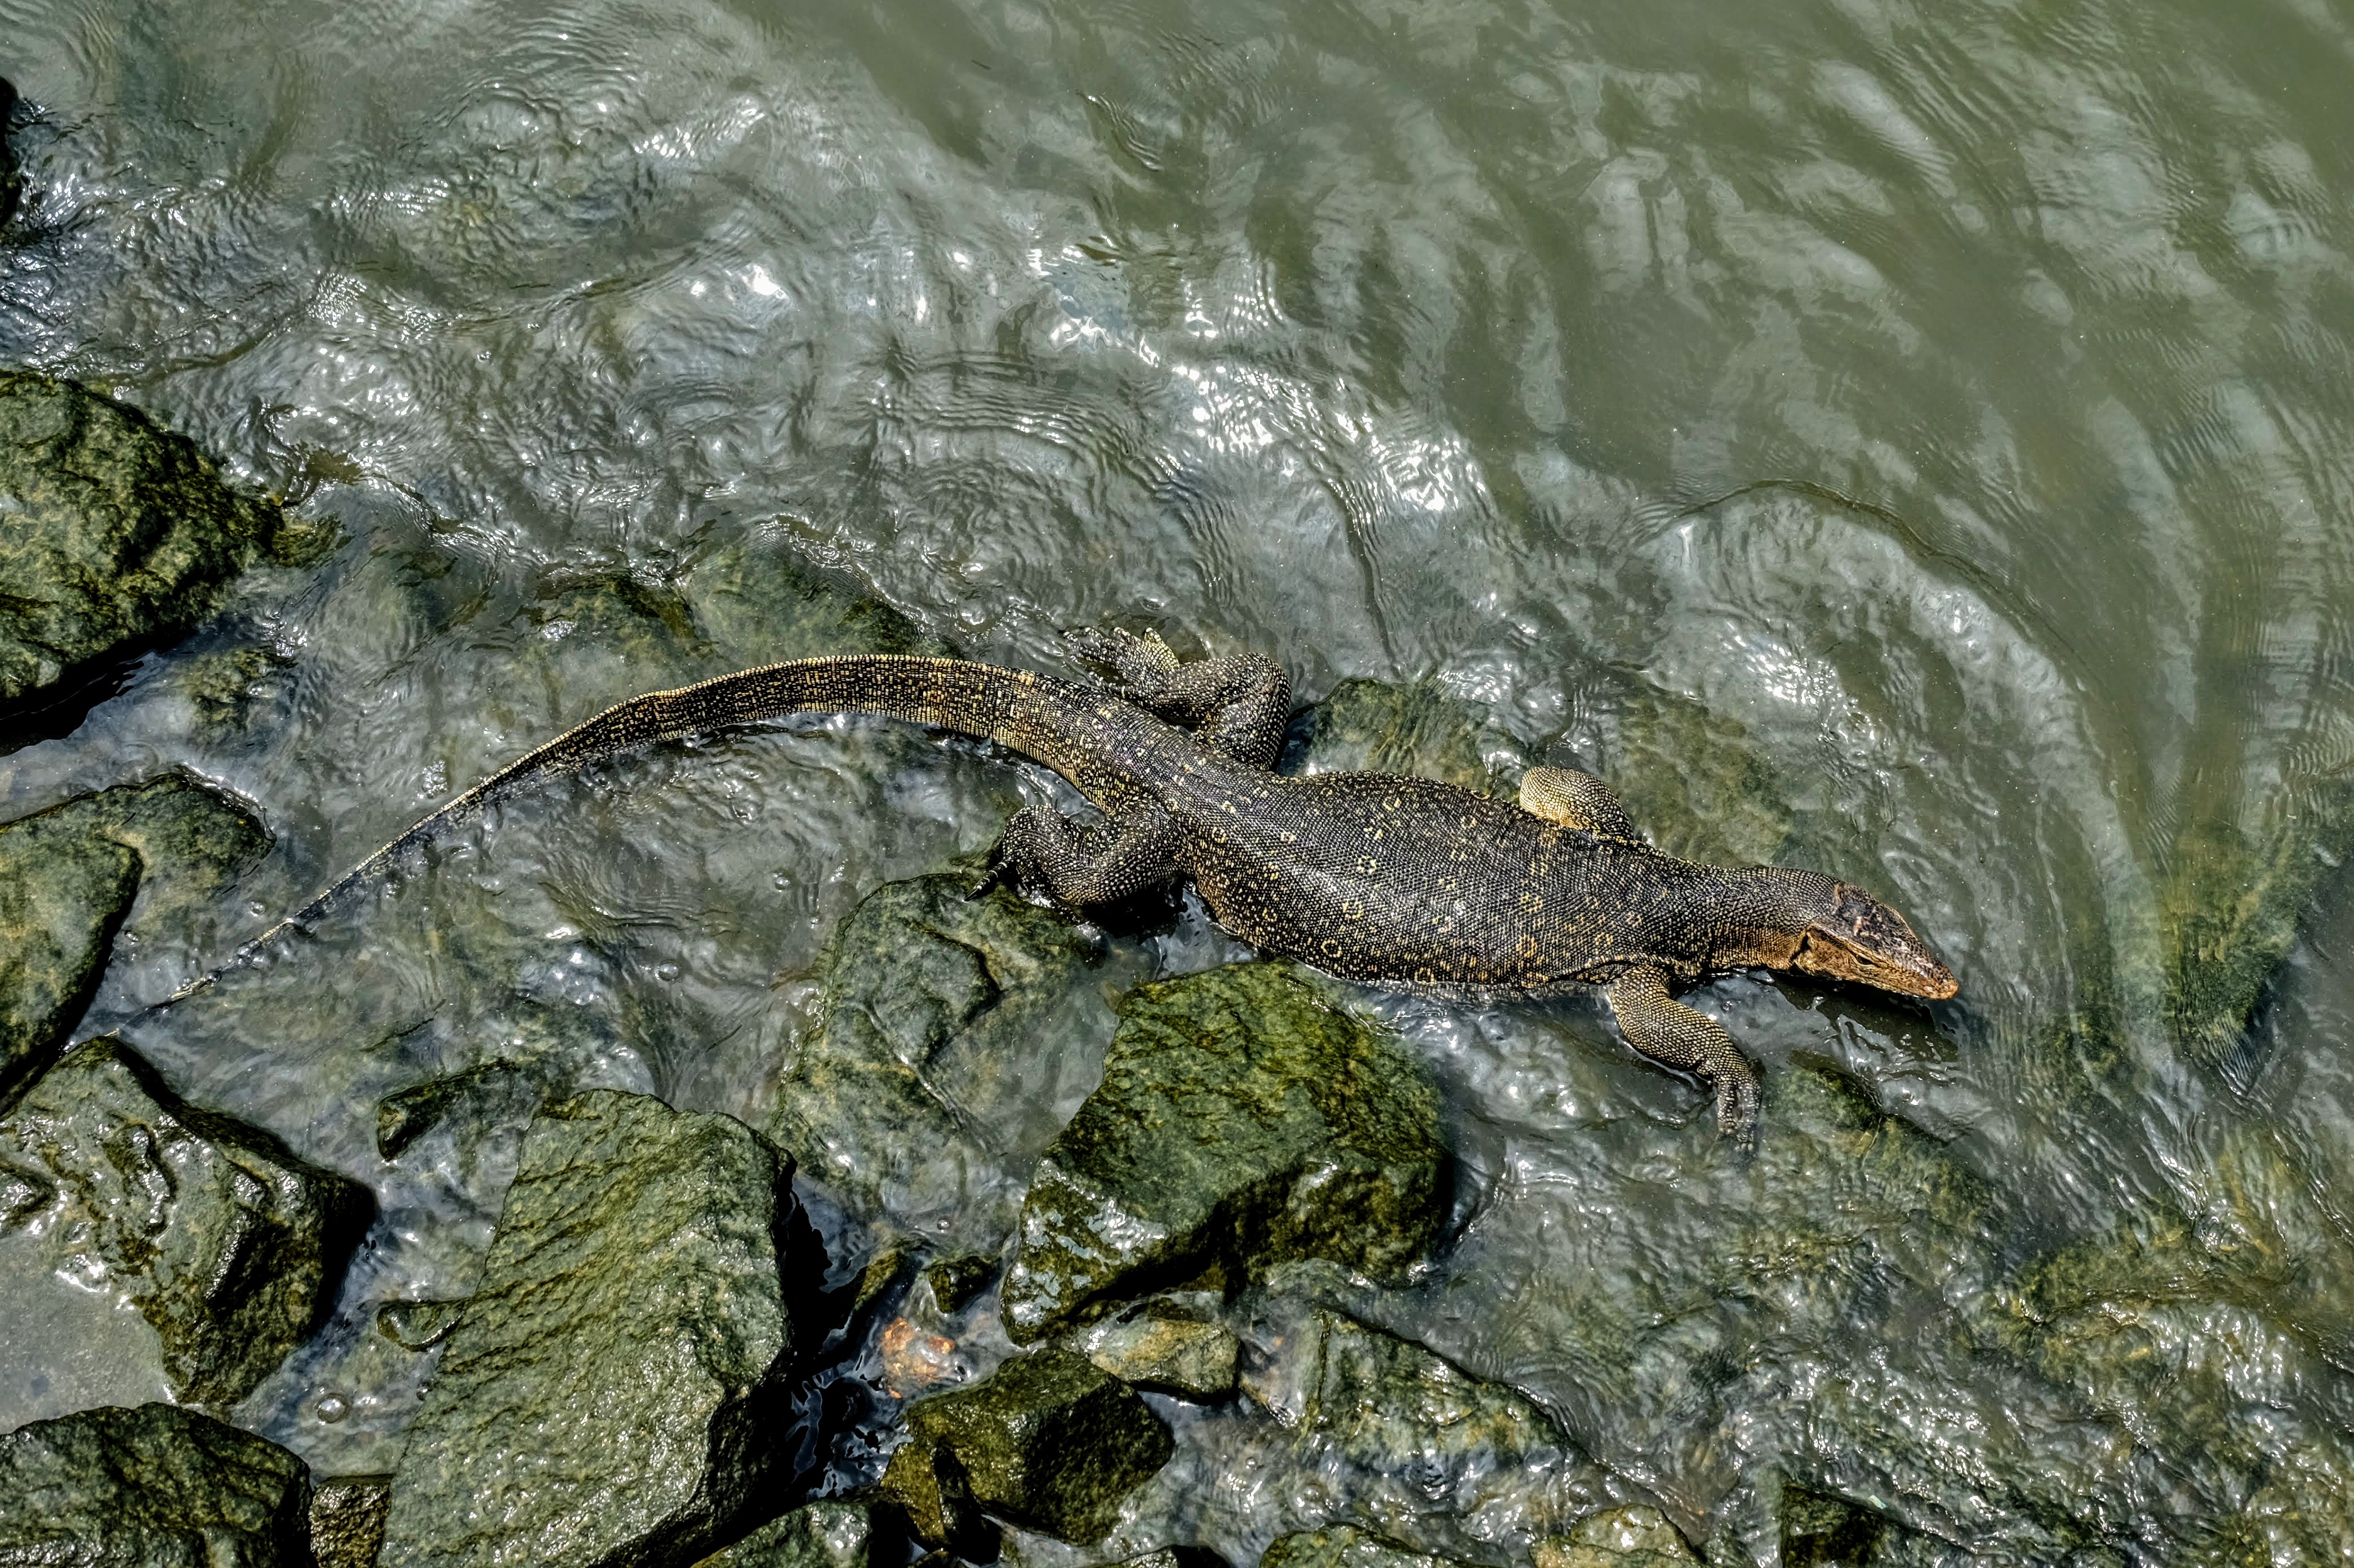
point(1167, 1349)
point(614, 1392)
point(149, 1487)
point(11, 182)
point(1243, 1120)
point(1628, 1538)
point(347, 1520)
point(120, 534)
point(68, 878)
point(943, 1049)
point(230, 1247)
point(958, 1281)
point(418, 1325)
point(822, 1535)
point(1345, 1546)
point(1048, 1442)
point(489, 1093)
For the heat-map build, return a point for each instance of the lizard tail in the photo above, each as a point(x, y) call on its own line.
point(1025, 712)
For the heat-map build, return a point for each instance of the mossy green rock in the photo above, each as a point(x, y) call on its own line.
point(229, 1246)
point(1244, 1120)
point(822, 1535)
point(120, 531)
point(941, 1023)
point(347, 1520)
point(1622, 1538)
point(1693, 782)
point(1048, 1441)
point(1167, 1351)
point(1389, 1406)
point(158, 1486)
point(613, 1394)
point(1417, 728)
point(1345, 1546)
point(70, 875)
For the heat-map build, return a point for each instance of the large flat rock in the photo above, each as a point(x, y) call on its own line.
point(613, 1395)
point(116, 1194)
point(155, 1486)
point(1244, 1120)
point(121, 533)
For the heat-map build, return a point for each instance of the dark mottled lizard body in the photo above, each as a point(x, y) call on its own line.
point(1395, 882)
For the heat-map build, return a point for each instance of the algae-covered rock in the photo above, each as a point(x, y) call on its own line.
point(63, 890)
point(1634, 1537)
point(613, 1394)
point(1419, 729)
point(942, 1043)
point(1823, 1531)
point(69, 877)
point(155, 1486)
point(347, 1520)
point(758, 601)
point(1163, 1347)
point(1048, 1441)
point(1177, 1557)
point(121, 533)
point(1346, 1546)
point(2230, 903)
point(1389, 1405)
point(958, 1281)
point(229, 1246)
point(820, 1535)
point(489, 1092)
point(1244, 1120)
point(1694, 780)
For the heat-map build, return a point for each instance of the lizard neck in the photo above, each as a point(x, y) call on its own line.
point(1759, 914)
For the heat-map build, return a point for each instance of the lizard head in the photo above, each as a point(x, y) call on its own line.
point(1863, 940)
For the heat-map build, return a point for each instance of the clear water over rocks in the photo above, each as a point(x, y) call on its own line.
point(1915, 443)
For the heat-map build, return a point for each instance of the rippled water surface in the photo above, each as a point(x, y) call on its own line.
point(1944, 412)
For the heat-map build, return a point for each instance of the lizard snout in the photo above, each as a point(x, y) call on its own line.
point(1865, 941)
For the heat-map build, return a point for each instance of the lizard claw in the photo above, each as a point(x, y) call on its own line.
point(1736, 1107)
point(1135, 664)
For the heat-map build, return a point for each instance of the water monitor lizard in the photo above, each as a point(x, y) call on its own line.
point(1403, 883)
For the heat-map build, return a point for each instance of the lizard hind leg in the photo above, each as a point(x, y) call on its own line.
point(1082, 870)
point(1666, 1031)
point(1237, 705)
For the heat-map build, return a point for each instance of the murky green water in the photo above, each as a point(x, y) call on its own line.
point(1935, 419)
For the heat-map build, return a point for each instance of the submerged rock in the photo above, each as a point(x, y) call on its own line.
point(1389, 1405)
point(822, 1535)
point(68, 878)
point(941, 1042)
point(63, 890)
point(614, 1393)
point(491, 1093)
point(758, 600)
point(1346, 1546)
point(1823, 1531)
point(418, 1325)
point(1048, 1442)
point(1626, 1538)
point(157, 1485)
point(1243, 1120)
point(1164, 1349)
point(347, 1520)
point(1420, 730)
point(957, 1282)
point(1693, 782)
point(229, 1246)
point(121, 533)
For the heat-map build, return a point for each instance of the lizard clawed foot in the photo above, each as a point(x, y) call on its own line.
point(1736, 1103)
point(1136, 665)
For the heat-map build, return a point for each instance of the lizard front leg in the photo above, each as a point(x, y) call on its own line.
point(1237, 706)
point(1082, 870)
point(1666, 1031)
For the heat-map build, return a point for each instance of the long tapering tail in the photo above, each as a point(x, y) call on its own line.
point(1014, 708)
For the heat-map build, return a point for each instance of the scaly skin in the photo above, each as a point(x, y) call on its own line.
point(1395, 882)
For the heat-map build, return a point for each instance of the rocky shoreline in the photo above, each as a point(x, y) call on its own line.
point(1063, 1336)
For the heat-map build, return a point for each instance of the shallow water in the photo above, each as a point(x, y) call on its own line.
point(1949, 406)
